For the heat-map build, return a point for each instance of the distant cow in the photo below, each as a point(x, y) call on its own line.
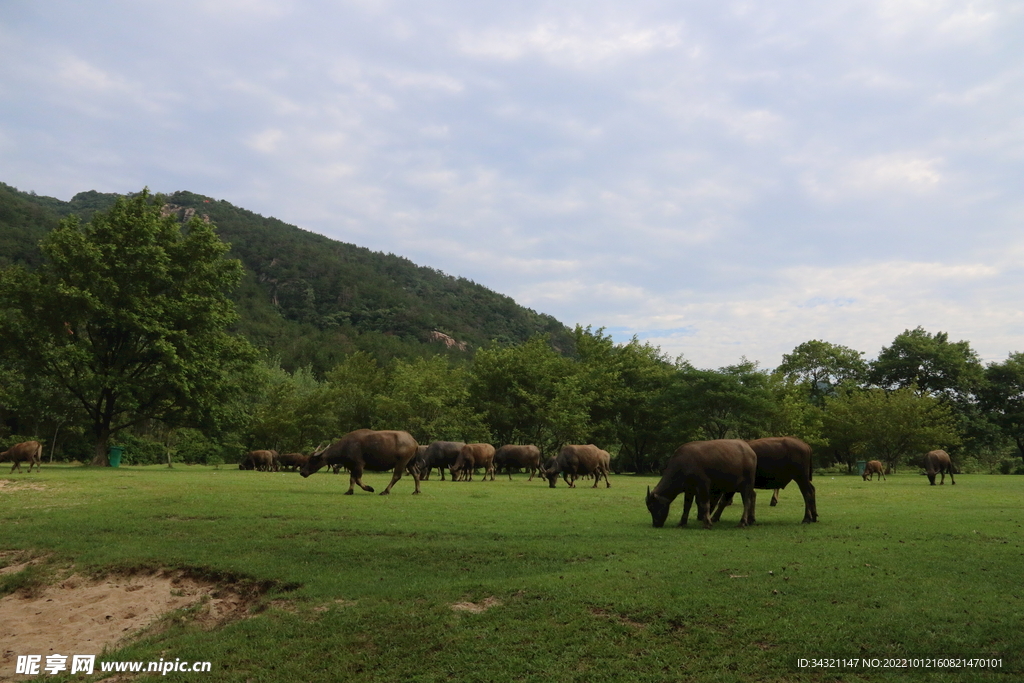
point(442, 455)
point(30, 451)
point(472, 456)
point(291, 461)
point(366, 449)
point(872, 468)
point(261, 461)
point(938, 462)
point(702, 470)
point(578, 460)
point(523, 457)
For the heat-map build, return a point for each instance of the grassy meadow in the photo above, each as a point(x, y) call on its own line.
point(361, 587)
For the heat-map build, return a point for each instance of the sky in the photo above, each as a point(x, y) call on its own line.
point(723, 179)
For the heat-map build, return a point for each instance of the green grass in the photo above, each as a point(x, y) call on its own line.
point(589, 590)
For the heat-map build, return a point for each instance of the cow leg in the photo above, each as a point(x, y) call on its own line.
point(810, 501)
point(395, 477)
point(703, 506)
point(687, 502)
point(721, 501)
point(749, 497)
point(951, 481)
point(357, 477)
point(17, 463)
point(775, 499)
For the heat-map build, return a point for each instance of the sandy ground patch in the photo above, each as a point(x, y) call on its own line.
point(476, 607)
point(84, 616)
point(11, 485)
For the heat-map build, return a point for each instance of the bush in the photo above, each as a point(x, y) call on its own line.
point(967, 464)
point(194, 448)
point(139, 450)
point(1011, 466)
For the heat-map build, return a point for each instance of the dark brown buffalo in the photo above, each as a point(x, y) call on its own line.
point(574, 461)
point(703, 469)
point(365, 449)
point(938, 462)
point(442, 455)
point(291, 461)
point(261, 461)
point(872, 468)
point(780, 460)
point(27, 451)
point(472, 456)
point(522, 457)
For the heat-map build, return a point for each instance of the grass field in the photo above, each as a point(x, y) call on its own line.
point(588, 590)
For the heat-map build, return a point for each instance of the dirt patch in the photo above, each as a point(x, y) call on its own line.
point(85, 616)
point(476, 607)
point(598, 612)
point(10, 485)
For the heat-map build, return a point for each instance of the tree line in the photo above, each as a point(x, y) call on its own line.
point(123, 335)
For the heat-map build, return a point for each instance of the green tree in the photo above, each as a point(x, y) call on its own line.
point(931, 363)
point(429, 399)
point(732, 402)
point(129, 314)
point(531, 394)
point(821, 368)
point(892, 426)
point(1002, 397)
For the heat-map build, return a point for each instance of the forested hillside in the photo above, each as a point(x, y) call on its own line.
point(311, 300)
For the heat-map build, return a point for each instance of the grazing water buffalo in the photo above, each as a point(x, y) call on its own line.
point(365, 449)
point(291, 461)
point(938, 462)
point(524, 457)
point(30, 451)
point(704, 469)
point(442, 455)
point(261, 461)
point(872, 468)
point(780, 460)
point(576, 461)
point(471, 456)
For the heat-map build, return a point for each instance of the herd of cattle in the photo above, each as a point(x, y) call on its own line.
point(710, 472)
point(382, 451)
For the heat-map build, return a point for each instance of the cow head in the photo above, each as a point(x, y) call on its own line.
point(658, 506)
point(315, 462)
point(551, 476)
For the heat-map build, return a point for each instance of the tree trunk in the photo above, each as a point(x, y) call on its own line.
point(100, 454)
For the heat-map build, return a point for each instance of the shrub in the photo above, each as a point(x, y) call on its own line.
point(139, 450)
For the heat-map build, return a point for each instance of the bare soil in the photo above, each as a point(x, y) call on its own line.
point(79, 615)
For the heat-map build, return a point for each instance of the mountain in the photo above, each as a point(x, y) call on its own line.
point(309, 299)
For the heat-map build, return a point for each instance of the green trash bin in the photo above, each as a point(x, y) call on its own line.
point(861, 466)
point(114, 456)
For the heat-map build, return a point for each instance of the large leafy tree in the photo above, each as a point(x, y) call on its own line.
point(1002, 397)
point(931, 363)
point(732, 402)
point(130, 314)
point(822, 367)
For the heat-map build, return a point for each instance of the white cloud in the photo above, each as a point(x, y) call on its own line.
point(570, 44)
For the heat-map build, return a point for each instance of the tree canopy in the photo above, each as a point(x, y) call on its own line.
point(129, 315)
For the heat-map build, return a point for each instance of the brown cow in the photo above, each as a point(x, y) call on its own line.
point(780, 460)
point(471, 456)
point(365, 449)
point(872, 468)
point(702, 469)
point(32, 451)
point(291, 461)
point(524, 457)
point(938, 462)
point(578, 460)
point(261, 461)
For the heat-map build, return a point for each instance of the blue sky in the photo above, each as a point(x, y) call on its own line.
point(724, 179)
